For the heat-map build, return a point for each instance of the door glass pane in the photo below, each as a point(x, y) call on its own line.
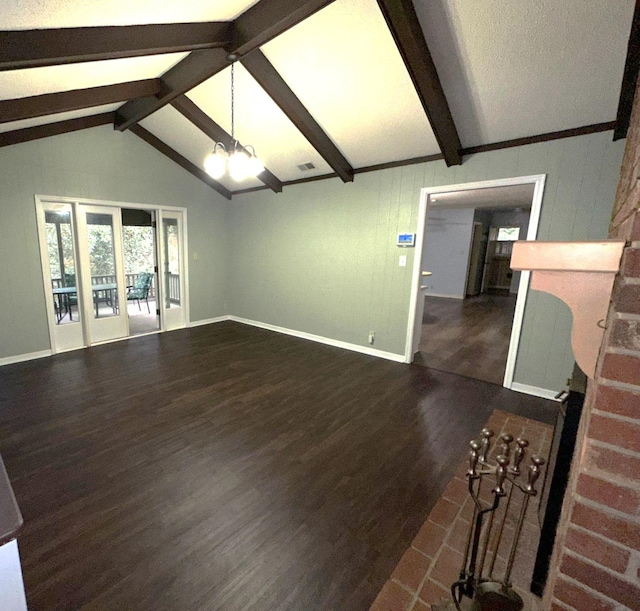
point(62, 265)
point(171, 245)
point(102, 263)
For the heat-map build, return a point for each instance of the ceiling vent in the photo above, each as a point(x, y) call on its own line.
point(304, 167)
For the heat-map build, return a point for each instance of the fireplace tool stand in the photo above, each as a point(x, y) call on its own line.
point(478, 588)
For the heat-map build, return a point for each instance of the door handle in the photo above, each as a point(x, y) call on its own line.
point(427, 273)
point(424, 286)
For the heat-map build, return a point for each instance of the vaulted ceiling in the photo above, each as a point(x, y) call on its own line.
point(344, 86)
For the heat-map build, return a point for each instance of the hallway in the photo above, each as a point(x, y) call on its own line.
point(468, 337)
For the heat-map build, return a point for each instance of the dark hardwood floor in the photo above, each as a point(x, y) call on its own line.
point(227, 467)
point(468, 337)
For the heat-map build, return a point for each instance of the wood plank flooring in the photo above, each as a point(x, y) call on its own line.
point(228, 468)
point(469, 337)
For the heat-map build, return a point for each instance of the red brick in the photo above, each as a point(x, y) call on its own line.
point(614, 528)
point(616, 432)
point(392, 598)
point(429, 538)
point(622, 591)
point(617, 497)
point(631, 265)
point(556, 607)
point(599, 551)
point(433, 592)
point(627, 299)
point(444, 513)
point(622, 367)
point(411, 569)
point(621, 465)
point(458, 535)
point(457, 491)
point(579, 598)
point(618, 401)
point(420, 606)
point(635, 232)
point(446, 570)
point(626, 335)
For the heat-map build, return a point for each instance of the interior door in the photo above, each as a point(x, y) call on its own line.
point(102, 285)
point(172, 264)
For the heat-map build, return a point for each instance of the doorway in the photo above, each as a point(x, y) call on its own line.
point(100, 265)
point(469, 304)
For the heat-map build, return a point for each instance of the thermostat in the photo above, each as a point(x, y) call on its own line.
point(406, 240)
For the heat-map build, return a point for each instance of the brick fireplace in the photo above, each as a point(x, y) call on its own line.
point(596, 560)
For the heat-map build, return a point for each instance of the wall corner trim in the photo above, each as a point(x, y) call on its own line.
point(390, 356)
point(208, 321)
point(29, 356)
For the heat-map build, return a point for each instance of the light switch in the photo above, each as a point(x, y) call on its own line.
point(403, 261)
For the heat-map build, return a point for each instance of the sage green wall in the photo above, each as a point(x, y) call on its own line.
point(99, 164)
point(321, 257)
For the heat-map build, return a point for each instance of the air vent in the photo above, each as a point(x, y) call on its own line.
point(304, 167)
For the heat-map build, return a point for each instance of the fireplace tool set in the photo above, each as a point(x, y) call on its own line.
point(477, 580)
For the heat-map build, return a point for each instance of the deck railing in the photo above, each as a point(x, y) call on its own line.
point(174, 284)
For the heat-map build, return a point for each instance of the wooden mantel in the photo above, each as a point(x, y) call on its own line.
point(582, 275)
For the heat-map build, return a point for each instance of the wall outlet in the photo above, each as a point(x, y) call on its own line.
point(372, 337)
point(402, 262)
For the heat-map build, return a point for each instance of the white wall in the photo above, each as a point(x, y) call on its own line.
point(447, 242)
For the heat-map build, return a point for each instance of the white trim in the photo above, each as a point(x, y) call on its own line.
point(534, 218)
point(105, 202)
point(536, 391)
point(208, 321)
point(390, 356)
point(29, 356)
point(444, 296)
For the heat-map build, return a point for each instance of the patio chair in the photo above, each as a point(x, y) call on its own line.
point(140, 290)
point(70, 299)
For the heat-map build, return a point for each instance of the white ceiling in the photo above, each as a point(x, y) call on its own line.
point(38, 14)
point(509, 69)
point(514, 69)
point(517, 196)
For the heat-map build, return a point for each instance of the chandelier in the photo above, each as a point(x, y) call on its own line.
point(239, 161)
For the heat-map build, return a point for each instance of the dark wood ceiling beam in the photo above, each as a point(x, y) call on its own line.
point(268, 78)
point(64, 101)
point(403, 23)
point(194, 69)
point(268, 19)
point(36, 48)
point(629, 78)
point(263, 21)
point(206, 124)
point(183, 162)
point(54, 129)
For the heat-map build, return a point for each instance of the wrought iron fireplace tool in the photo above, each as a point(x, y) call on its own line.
point(485, 591)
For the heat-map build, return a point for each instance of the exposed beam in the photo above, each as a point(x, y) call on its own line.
point(172, 154)
point(64, 101)
point(403, 23)
point(263, 21)
point(206, 124)
point(565, 133)
point(629, 78)
point(267, 76)
point(54, 129)
point(35, 48)
point(268, 19)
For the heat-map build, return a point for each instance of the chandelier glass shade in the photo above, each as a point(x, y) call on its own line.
point(239, 162)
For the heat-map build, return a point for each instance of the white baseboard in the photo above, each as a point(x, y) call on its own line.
point(445, 296)
point(390, 356)
point(208, 321)
point(19, 358)
point(534, 390)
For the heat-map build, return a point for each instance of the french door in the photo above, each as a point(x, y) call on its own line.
point(102, 285)
point(86, 284)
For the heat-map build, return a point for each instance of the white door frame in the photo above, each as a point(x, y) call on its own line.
point(523, 288)
point(74, 201)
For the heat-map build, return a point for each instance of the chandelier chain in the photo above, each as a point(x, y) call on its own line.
point(233, 130)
